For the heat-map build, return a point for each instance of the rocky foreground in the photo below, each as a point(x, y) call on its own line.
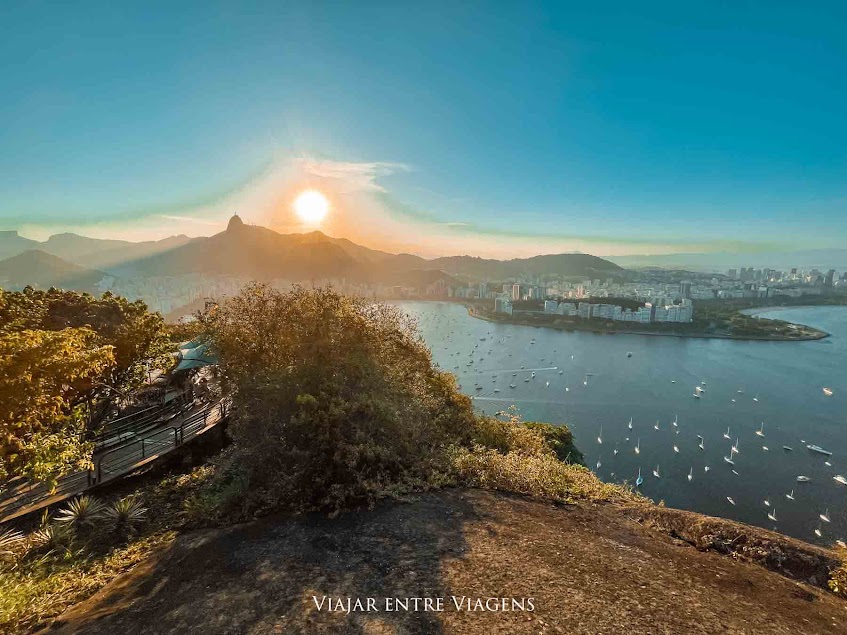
point(586, 568)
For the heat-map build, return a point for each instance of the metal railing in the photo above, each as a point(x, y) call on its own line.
point(117, 461)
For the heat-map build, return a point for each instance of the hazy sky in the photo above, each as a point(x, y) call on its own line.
point(497, 128)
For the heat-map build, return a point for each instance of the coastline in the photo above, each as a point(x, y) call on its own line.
point(589, 328)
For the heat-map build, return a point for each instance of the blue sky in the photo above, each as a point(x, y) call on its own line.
point(628, 127)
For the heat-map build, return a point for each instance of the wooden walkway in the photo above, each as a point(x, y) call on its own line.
point(117, 455)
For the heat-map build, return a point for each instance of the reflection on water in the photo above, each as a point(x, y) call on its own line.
point(756, 400)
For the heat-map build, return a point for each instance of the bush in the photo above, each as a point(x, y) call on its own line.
point(336, 399)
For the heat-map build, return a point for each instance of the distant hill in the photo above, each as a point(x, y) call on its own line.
point(12, 244)
point(40, 269)
point(262, 253)
point(582, 265)
point(94, 253)
point(720, 262)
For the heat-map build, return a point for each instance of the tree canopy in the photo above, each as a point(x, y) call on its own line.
point(64, 356)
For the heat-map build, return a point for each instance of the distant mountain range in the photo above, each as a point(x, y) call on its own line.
point(720, 262)
point(263, 254)
point(40, 269)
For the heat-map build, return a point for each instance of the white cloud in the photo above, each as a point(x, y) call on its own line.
point(361, 176)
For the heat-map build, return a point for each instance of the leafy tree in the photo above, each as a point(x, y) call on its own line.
point(64, 358)
point(43, 375)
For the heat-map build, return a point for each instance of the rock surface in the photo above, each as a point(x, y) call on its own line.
point(588, 569)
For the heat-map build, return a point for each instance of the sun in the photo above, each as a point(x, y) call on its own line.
point(311, 206)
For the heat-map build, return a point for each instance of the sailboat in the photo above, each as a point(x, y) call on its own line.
point(761, 431)
point(756, 398)
point(656, 472)
point(825, 516)
point(638, 446)
point(726, 434)
point(675, 418)
point(765, 448)
point(629, 425)
point(598, 463)
point(675, 449)
point(772, 515)
point(818, 531)
point(767, 502)
point(731, 502)
point(706, 468)
point(639, 480)
point(691, 474)
point(790, 496)
point(728, 459)
point(735, 447)
point(600, 437)
point(657, 424)
point(701, 442)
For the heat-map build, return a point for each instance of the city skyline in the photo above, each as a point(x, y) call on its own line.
point(541, 129)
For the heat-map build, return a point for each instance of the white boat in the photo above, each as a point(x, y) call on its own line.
point(532, 374)
point(731, 502)
point(567, 389)
point(790, 496)
point(825, 516)
point(513, 385)
point(600, 436)
point(840, 479)
point(726, 434)
point(675, 420)
point(772, 515)
point(706, 468)
point(638, 446)
point(761, 431)
point(756, 398)
point(827, 392)
point(787, 448)
point(819, 450)
point(639, 480)
point(561, 371)
point(598, 463)
point(675, 449)
point(496, 390)
point(696, 395)
point(803, 479)
point(765, 448)
point(656, 472)
point(691, 474)
point(767, 502)
point(656, 426)
point(629, 425)
point(734, 448)
point(729, 460)
point(818, 531)
point(629, 354)
point(548, 384)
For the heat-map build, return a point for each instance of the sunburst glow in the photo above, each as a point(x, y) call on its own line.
point(311, 206)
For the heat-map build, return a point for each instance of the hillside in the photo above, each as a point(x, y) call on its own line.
point(577, 265)
point(589, 568)
point(43, 270)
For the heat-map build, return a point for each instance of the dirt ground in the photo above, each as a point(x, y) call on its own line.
point(587, 569)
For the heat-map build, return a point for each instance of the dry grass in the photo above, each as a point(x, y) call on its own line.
point(35, 590)
point(539, 475)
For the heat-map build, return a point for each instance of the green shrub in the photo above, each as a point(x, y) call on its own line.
point(541, 475)
point(125, 515)
point(336, 399)
point(81, 512)
point(560, 439)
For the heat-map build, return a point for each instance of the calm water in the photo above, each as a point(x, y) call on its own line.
point(786, 378)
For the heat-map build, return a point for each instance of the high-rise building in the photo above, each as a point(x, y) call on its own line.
point(516, 292)
point(830, 275)
point(685, 289)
